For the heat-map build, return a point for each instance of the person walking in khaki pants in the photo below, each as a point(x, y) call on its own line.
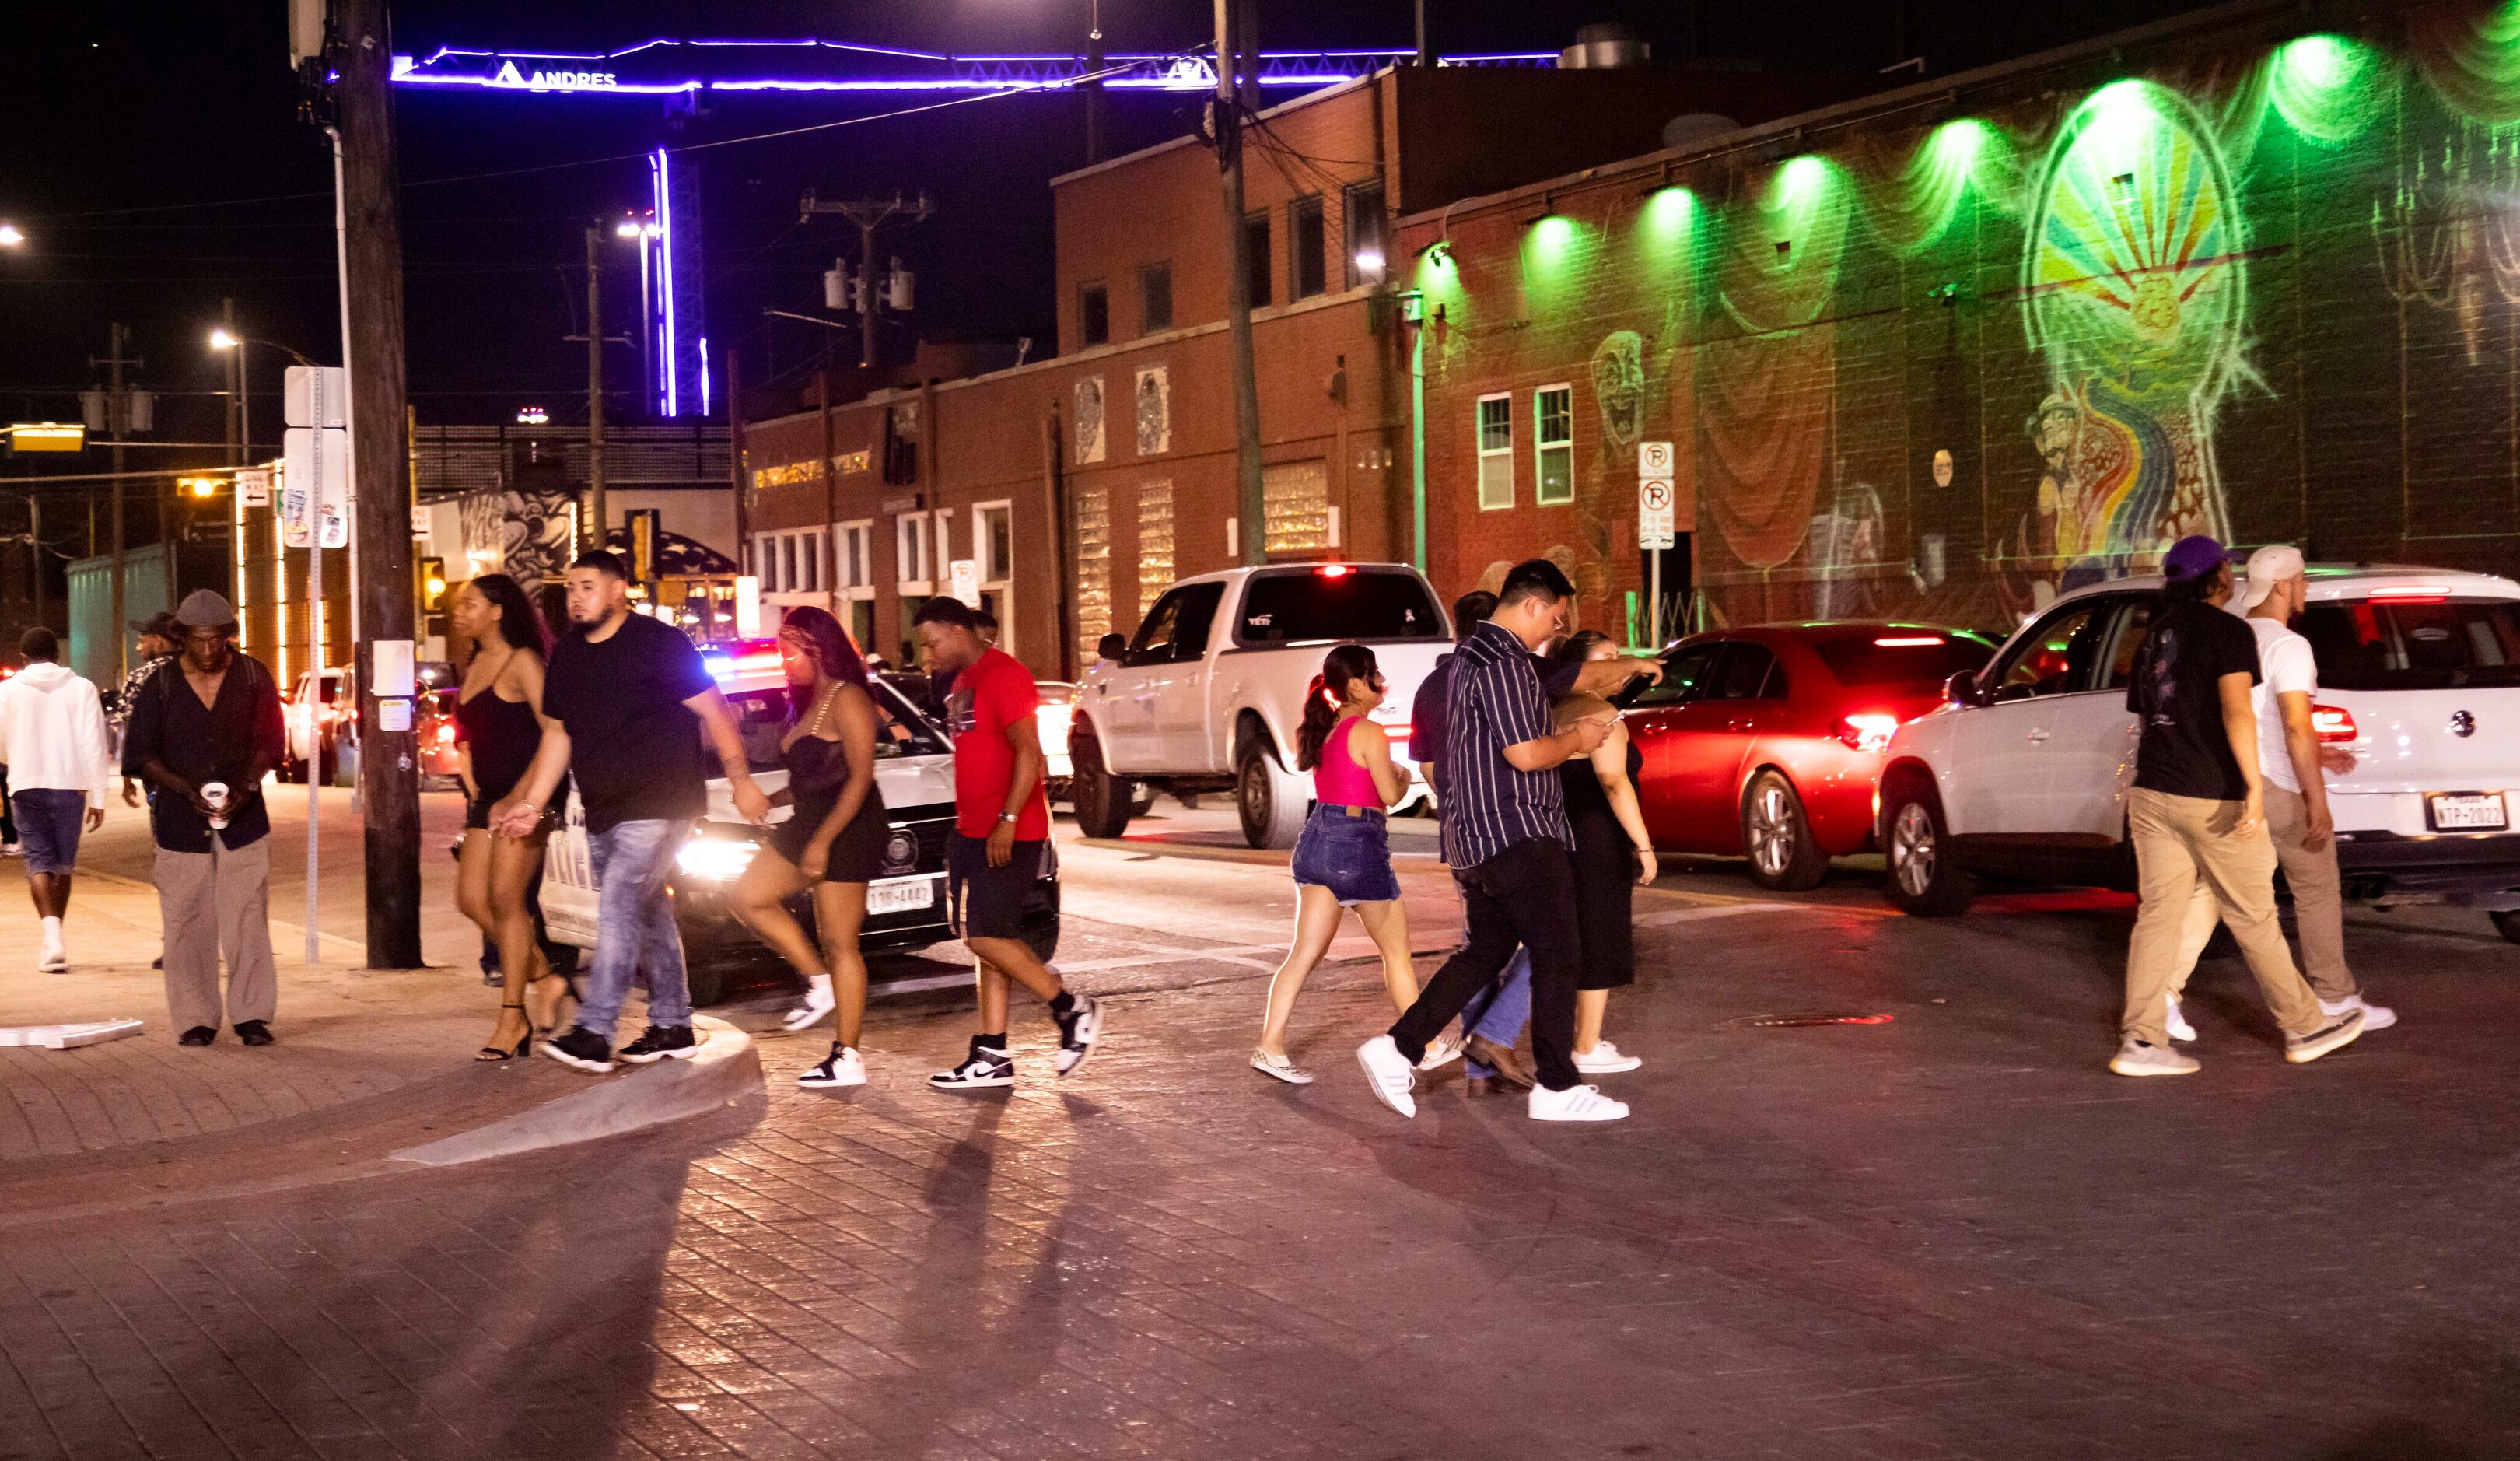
point(2293, 764)
point(214, 722)
point(2197, 815)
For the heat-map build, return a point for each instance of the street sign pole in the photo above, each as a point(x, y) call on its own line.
point(1655, 528)
point(314, 491)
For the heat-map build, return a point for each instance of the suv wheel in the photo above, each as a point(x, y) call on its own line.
point(1915, 845)
point(1270, 799)
point(2508, 924)
point(1103, 801)
point(1778, 836)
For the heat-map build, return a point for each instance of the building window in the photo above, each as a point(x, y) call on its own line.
point(910, 542)
point(1365, 261)
point(1553, 446)
point(1306, 246)
point(1255, 246)
point(1093, 565)
point(993, 549)
point(1093, 315)
point(1296, 507)
point(856, 567)
point(1154, 298)
point(1155, 540)
point(788, 577)
point(1495, 452)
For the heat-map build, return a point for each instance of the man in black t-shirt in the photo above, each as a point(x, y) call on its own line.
point(2197, 814)
point(625, 703)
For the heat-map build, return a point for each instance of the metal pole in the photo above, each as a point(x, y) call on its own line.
point(831, 499)
point(1425, 52)
point(595, 393)
point(1654, 576)
point(349, 376)
point(314, 763)
point(865, 301)
point(35, 548)
point(1094, 138)
point(1251, 509)
point(114, 414)
point(1418, 434)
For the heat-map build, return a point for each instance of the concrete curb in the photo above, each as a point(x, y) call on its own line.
point(727, 1069)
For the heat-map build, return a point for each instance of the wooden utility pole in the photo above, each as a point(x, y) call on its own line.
point(596, 527)
point(382, 576)
point(1252, 510)
point(117, 412)
point(831, 497)
point(735, 461)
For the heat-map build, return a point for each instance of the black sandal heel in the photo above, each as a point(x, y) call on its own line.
point(491, 1053)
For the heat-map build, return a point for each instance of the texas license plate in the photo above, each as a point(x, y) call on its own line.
point(2466, 811)
point(904, 895)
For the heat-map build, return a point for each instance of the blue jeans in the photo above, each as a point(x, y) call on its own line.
point(634, 925)
point(1499, 1011)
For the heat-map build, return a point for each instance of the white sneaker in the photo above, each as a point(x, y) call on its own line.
point(1605, 1059)
point(2180, 1028)
point(1576, 1103)
point(817, 1006)
point(2135, 1058)
point(1390, 1072)
point(1442, 1053)
point(2374, 1016)
point(841, 1067)
point(52, 959)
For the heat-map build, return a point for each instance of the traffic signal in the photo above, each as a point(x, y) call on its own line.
point(432, 584)
point(198, 487)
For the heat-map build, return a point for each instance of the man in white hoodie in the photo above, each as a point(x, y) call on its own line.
point(52, 740)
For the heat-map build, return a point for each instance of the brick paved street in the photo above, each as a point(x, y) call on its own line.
point(1950, 1234)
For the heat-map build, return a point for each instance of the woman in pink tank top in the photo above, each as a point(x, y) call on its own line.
point(1343, 859)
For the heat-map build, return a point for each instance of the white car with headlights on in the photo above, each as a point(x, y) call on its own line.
point(905, 905)
point(2023, 770)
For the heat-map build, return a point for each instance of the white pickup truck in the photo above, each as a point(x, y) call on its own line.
point(1212, 689)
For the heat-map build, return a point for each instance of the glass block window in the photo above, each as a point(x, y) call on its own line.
point(1154, 539)
point(1093, 564)
point(1295, 503)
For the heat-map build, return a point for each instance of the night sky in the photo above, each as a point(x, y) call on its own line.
point(141, 135)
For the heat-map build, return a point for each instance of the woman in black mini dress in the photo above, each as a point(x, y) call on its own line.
point(833, 841)
point(498, 728)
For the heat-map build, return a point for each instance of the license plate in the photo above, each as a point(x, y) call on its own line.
point(905, 896)
point(2466, 811)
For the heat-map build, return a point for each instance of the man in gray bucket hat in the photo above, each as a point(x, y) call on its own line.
point(203, 732)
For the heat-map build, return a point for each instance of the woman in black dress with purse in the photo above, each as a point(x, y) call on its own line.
point(833, 841)
point(1613, 854)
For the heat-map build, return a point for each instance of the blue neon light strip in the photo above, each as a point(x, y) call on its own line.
point(704, 390)
point(573, 73)
point(666, 277)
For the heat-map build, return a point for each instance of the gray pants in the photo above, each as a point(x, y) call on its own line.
point(213, 903)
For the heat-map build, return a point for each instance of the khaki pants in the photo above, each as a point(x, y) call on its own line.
point(2182, 843)
point(2318, 903)
point(212, 903)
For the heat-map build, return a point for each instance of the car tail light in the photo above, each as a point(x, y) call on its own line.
point(1334, 570)
point(445, 735)
point(1869, 732)
point(1911, 642)
point(2334, 724)
point(2411, 593)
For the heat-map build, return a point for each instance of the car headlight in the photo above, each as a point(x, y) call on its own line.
point(900, 852)
point(715, 859)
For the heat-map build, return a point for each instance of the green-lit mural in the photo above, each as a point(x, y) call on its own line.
point(2132, 293)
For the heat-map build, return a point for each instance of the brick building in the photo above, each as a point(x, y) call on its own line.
point(1078, 487)
point(1947, 350)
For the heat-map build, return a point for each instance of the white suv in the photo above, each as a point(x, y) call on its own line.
point(2025, 767)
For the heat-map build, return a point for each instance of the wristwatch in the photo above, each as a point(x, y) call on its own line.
point(1005, 819)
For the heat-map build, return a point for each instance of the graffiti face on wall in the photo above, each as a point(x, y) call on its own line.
point(2133, 295)
point(1619, 386)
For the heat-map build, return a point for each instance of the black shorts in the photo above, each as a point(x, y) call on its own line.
point(477, 815)
point(984, 902)
point(857, 850)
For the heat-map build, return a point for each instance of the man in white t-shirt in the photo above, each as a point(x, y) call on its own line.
point(2293, 763)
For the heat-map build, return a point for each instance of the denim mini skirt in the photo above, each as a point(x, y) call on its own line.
point(1350, 855)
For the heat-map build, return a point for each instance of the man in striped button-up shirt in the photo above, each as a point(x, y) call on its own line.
point(1506, 837)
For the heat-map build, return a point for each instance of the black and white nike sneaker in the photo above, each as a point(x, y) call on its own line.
point(661, 1042)
point(581, 1049)
point(985, 1069)
point(838, 1068)
point(1078, 1030)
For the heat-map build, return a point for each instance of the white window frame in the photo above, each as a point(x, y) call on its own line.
point(1540, 446)
point(1486, 453)
point(854, 570)
point(913, 543)
point(997, 578)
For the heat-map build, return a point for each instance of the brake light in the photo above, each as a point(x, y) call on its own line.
point(1911, 642)
point(1869, 733)
point(2334, 724)
point(1334, 570)
point(2412, 593)
point(445, 735)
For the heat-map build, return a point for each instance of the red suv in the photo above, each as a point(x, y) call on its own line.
point(1768, 740)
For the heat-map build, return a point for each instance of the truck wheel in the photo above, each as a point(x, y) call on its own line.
point(1103, 801)
point(1270, 798)
point(1924, 881)
point(1783, 855)
point(2508, 925)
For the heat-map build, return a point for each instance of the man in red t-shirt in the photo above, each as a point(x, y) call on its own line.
point(1001, 835)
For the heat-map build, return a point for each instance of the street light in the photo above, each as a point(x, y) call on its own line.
point(224, 339)
point(11, 236)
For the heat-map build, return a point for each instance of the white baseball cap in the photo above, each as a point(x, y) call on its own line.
point(2268, 567)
